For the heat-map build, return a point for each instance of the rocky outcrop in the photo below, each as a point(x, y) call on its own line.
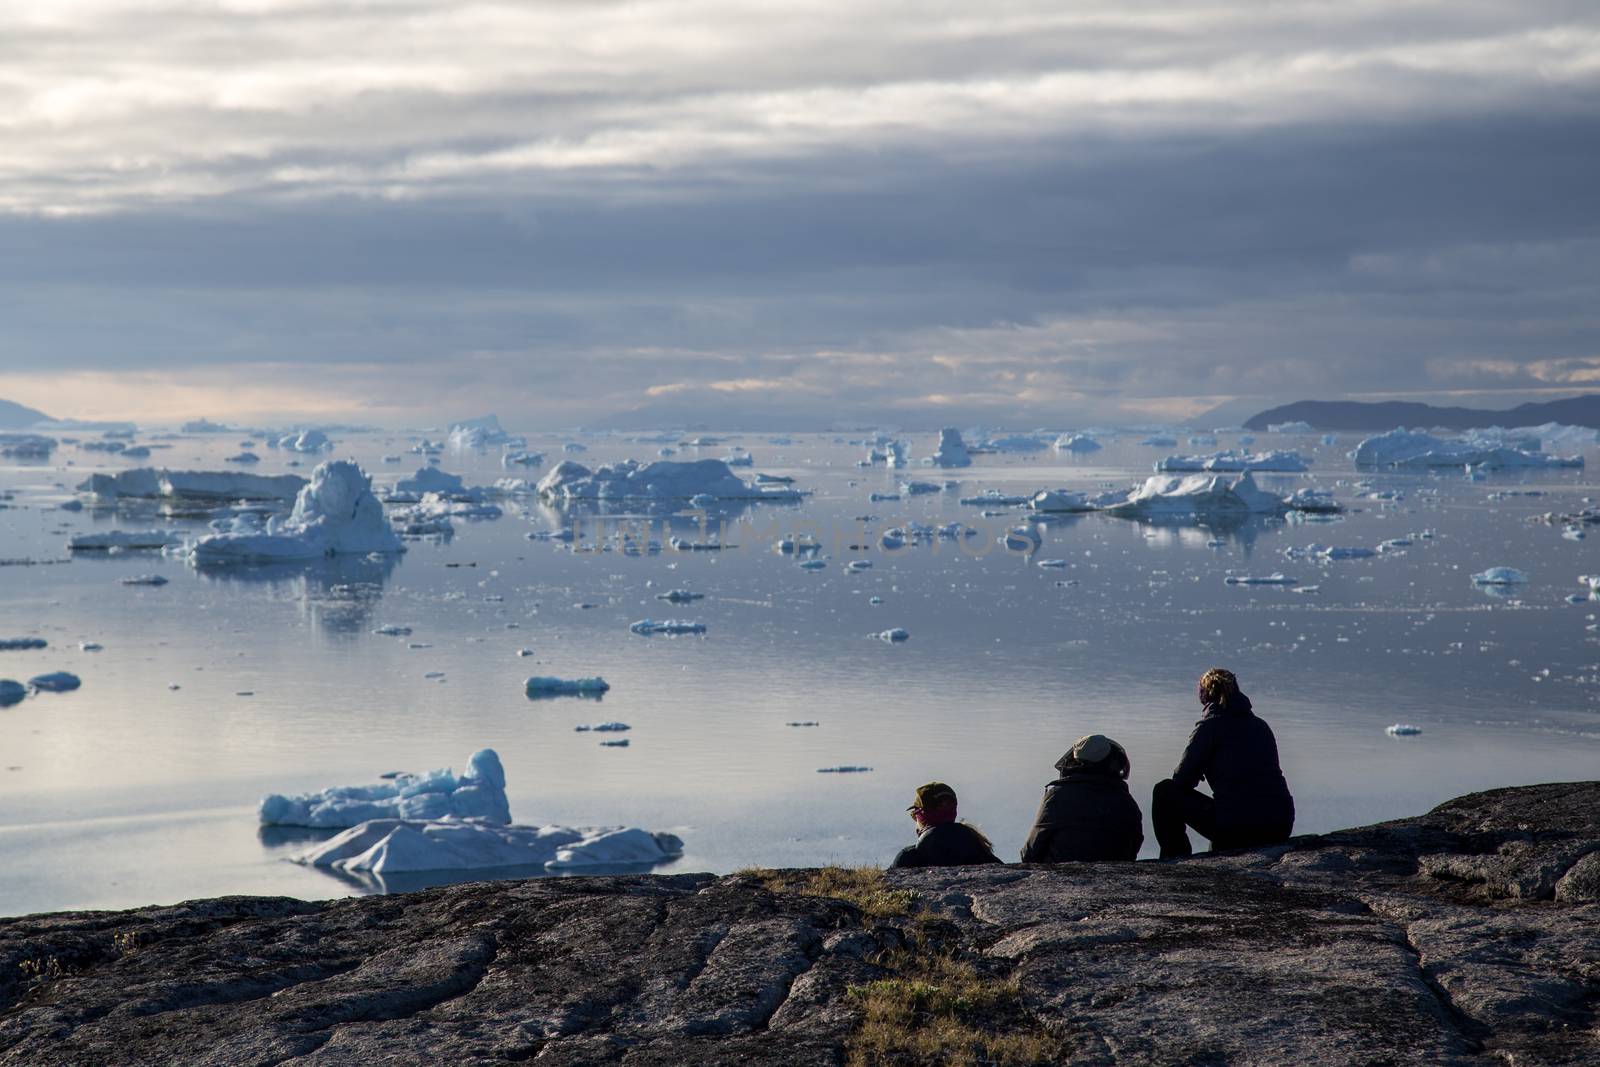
point(1470, 935)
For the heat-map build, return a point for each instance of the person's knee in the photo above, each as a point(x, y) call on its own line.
point(1165, 792)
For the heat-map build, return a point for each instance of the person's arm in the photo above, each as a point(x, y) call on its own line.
point(906, 857)
point(1037, 848)
point(1196, 755)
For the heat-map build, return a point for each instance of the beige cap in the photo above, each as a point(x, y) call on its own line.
point(1092, 748)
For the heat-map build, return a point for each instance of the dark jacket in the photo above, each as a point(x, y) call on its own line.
point(1235, 752)
point(1085, 815)
point(950, 844)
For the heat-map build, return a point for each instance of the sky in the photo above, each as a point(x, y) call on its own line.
point(749, 214)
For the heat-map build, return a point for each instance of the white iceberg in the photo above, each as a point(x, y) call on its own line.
point(1196, 496)
point(1060, 501)
point(1077, 443)
point(541, 686)
point(335, 514)
point(146, 483)
point(1312, 500)
point(393, 846)
point(1500, 576)
point(1022, 539)
point(480, 792)
point(522, 459)
point(124, 539)
point(952, 451)
point(601, 727)
point(305, 441)
point(893, 636)
point(1160, 441)
point(920, 488)
point(1402, 729)
point(1277, 578)
point(1233, 461)
point(477, 433)
point(26, 445)
point(240, 457)
point(1416, 449)
point(1289, 427)
point(430, 480)
point(661, 480)
point(667, 626)
point(1015, 443)
point(143, 579)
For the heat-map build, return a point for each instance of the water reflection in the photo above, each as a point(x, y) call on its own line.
point(372, 883)
point(337, 595)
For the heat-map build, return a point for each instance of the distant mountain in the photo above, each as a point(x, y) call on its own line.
point(1358, 415)
point(17, 417)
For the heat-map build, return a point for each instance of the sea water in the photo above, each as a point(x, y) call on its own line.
point(227, 683)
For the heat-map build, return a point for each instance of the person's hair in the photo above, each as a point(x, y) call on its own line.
point(981, 836)
point(1219, 686)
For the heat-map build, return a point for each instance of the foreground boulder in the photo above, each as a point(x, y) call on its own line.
point(1470, 935)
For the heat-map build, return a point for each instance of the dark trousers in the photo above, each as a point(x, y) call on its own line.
point(1173, 808)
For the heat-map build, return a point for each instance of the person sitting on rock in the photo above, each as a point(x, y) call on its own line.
point(1087, 813)
point(941, 841)
point(1235, 752)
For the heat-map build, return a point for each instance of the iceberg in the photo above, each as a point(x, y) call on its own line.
point(1077, 443)
point(1289, 427)
point(952, 451)
point(679, 596)
point(1160, 441)
point(26, 445)
point(661, 480)
point(145, 483)
point(335, 514)
point(1015, 443)
point(480, 793)
point(143, 579)
point(1500, 576)
point(601, 727)
point(1059, 501)
point(305, 441)
point(1196, 496)
point(893, 636)
point(91, 542)
point(522, 459)
point(20, 644)
point(55, 682)
point(394, 846)
point(1312, 500)
point(239, 457)
point(431, 480)
point(538, 686)
point(1231, 460)
point(994, 498)
point(11, 692)
point(667, 626)
point(1022, 539)
point(1402, 729)
point(1416, 449)
point(920, 488)
point(477, 433)
point(1276, 578)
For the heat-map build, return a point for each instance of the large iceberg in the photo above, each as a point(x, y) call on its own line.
point(477, 433)
point(1017, 442)
point(1414, 448)
point(1232, 461)
point(480, 792)
point(304, 441)
point(1077, 443)
point(1060, 501)
point(336, 514)
point(661, 480)
point(123, 539)
point(215, 486)
point(952, 451)
point(1196, 496)
point(395, 846)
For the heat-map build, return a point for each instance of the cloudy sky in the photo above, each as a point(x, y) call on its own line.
point(880, 211)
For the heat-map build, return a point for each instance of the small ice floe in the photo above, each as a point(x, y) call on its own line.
point(895, 635)
point(955, 531)
point(602, 727)
point(858, 565)
point(55, 682)
point(523, 653)
point(1053, 563)
point(1394, 544)
point(1573, 532)
point(683, 544)
point(843, 769)
point(680, 596)
point(621, 742)
point(952, 451)
point(143, 579)
point(648, 627)
point(1060, 501)
point(480, 793)
point(1418, 450)
point(391, 630)
point(21, 644)
point(1160, 441)
point(812, 565)
point(1346, 552)
point(242, 457)
point(774, 479)
point(1077, 443)
point(875, 600)
point(1590, 580)
point(892, 538)
point(433, 676)
point(920, 488)
point(803, 722)
point(1500, 576)
point(123, 539)
point(878, 498)
point(538, 686)
point(740, 459)
point(521, 459)
point(661, 480)
point(305, 441)
point(1402, 729)
point(91, 646)
point(1260, 579)
point(394, 846)
point(994, 498)
point(11, 692)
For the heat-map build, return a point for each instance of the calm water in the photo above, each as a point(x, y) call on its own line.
point(140, 787)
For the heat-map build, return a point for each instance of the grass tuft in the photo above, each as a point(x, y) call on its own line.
point(862, 886)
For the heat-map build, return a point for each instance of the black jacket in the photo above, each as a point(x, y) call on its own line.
point(948, 844)
point(1085, 815)
point(1235, 752)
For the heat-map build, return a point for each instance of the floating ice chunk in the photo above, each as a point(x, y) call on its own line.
point(55, 682)
point(124, 539)
point(895, 635)
point(143, 579)
point(11, 692)
point(952, 451)
point(740, 459)
point(1394, 544)
point(621, 742)
point(335, 514)
point(1016, 443)
point(1077, 443)
point(1160, 441)
point(1591, 580)
point(479, 793)
point(522, 459)
point(393, 846)
point(602, 727)
point(812, 565)
point(803, 722)
point(1059, 501)
point(392, 630)
point(1312, 500)
point(1289, 427)
point(23, 644)
point(859, 565)
point(843, 769)
point(878, 498)
point(1402, 729)
point(1500, 576)
point(306, 441)
point(1339, 552)
point(661, 480)
point(892, 538)
point(431, 480)
point(955, 531)
point(1330, 438)
point(91, 646)
point(680, 596)
point(538, 686)
point(667, 626)
point(1057, 563)
point(1263, 579)
point(774, 479)
point(26, 445)
point(1231, 461)
point(703, 500)
point(1194, 496)
point(237, 457)
point(477, 433)
point(1413, 448)
point(920, 488)
point(213, 486)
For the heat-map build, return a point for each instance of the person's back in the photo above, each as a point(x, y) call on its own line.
point(941, 841)
point(948, 845)
point(1087, 814)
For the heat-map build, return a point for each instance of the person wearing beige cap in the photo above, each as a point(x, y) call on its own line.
point(1087, 813)
point(941, 841)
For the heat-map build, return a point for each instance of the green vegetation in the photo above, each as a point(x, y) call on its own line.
point(862, 886)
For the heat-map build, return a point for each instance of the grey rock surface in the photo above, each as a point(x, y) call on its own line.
point(1470, 935)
